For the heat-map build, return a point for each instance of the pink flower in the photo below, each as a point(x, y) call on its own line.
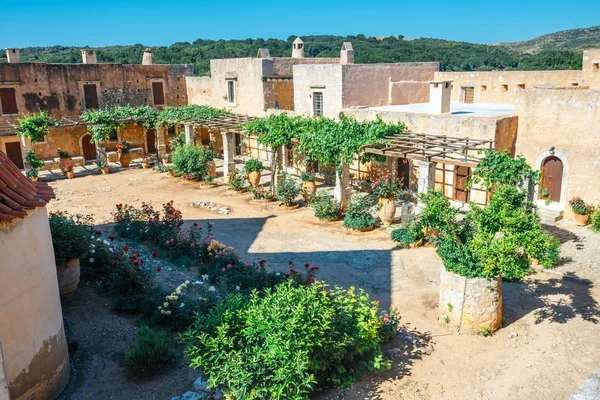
point(223, 270)
point(385, 318)
point(228, 266)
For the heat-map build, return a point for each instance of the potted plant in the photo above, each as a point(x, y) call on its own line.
point(236, 181)
point(68, 171)
point(253, 168)
point(387, 189)
point(325, 206)
point(71, 239)
point(33, 174)
point(287, 191)
point(145, 162)
point(165, 159)
point(358, 216)
point(403, 237)
point(64, 158)
point(261, 195)
point(124, 148)
point(581, 210)
point(208, 157)
point(103, 167)
point(309, 186)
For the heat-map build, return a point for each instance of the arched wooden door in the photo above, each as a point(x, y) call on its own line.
point(89, 148)
point(552, 174)
point(461, 180)
point(151, 141)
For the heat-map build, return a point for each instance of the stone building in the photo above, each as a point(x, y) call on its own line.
point(34, 363)
point(66, 90)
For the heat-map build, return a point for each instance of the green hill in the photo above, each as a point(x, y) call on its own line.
point(453, 56)
point(572, 39)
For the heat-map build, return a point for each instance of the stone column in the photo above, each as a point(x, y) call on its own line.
point(426, 177)
point(26, 147)
point(228, 154)
point(101, 152)
point(190, 135)
point(341, 192)
point(161, 141)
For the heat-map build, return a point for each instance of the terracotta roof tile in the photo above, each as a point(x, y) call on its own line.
point(18, 193)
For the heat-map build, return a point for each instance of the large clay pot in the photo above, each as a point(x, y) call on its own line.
point(125, 159)
point(582, 220)
point(254, 178)
point(308, 189)
point(145, 164)
point(211, 167)
point(70, 174)
point(104, 170)
point(68, 278)
point(63, 161)
point(470, 305)
point(387, 210)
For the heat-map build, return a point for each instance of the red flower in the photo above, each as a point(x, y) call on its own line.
point(245, 265)
point(287, 275)
point(306, 265)
point(435, 233)
point(291, 263)
point(133, 257)
point(262, 262)
point(385, 318)
point(352, 370)
point(111, 237)
point(292, 270)
point(228, 266)
point(377, 302)
point(142, 262)
point(98, 233)
point(136, 263)
point(126, 248)
point(314, 268)
point(308, 279)
point(195, 224)
point(159, 269)
point(155, 254)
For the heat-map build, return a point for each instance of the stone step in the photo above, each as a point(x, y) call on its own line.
point(550, 216)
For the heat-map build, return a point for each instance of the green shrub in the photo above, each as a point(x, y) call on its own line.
point(325, 206)
point(36, 127)
point(237, 180)
point(403, 236)
point(307, 177)
point(33, 160)
point(596, 220)
point(71, 236)
point(62, 154)
point(287, 190)
point(358, 215)
point(438, 215)
point(152, 351)
point(253, 165)
point(32, 173)
point(285, 343)
point(191, 160)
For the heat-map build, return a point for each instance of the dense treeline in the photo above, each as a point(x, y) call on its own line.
point(453, 56)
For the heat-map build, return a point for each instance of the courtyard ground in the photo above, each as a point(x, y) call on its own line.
point(549, 346)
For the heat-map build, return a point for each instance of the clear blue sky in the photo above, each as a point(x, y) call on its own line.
point(151, 22)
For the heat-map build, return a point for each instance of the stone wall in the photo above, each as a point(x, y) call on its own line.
point(318, 78)
point(279, 93)
point(31, 328)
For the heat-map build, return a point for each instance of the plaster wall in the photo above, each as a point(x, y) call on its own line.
point(318, 78)
point(31, 328)
point(284, 66)
point(281, 93)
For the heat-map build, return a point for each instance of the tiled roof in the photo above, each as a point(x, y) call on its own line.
point(8, 125)
point(18, 193)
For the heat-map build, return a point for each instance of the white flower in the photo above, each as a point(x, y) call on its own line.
point(181, 305)
point(237, 288)
point(178, 291)
point(106, 242)
point(165, 304)
point(187, 282)
point(211, 289)
point(92, 245)
point(277, 274)
point(91, 260)
point(111, 249)
point(197, 283)
point(99, 239)
point(204, 277)
point(92, 237)
point(92, 251)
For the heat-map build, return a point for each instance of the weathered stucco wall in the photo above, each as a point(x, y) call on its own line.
point(284, 66)
point(31, 328)
point(58, 88)
point(569, 121)
point(279, 94)
point(318, 78)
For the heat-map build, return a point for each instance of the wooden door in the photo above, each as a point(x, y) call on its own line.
point(552, 174)
point(8, 100)
point(89, 148)
point(158, 94)
point(151, 141)
point(468, 94)
point(461, 180)
point(404, 172)
point(90, 94)
point(13, 151)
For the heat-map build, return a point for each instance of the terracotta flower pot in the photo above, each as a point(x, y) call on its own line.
point(63, 161)
point(211, 167)
point(68, 277)
point(367, 229)
point(308, 189)
point(387, 210)
point(165, 161)
point(70, 174)
point(145, 164)
point(254, 178)
point(35, 178)
point(292, 207)
point(104, 170)
point(329, 219)
point(582, 220)
point(125, 159)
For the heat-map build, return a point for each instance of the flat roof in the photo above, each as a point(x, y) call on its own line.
point(458, 109)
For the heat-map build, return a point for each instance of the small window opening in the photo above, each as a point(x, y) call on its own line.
point(483, 88)
point(504, 87)
point(521, 86)
point(596, 67)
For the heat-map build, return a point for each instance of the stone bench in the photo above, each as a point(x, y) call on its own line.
point(78, 161)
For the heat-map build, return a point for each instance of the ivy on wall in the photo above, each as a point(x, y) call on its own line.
point(35, 127)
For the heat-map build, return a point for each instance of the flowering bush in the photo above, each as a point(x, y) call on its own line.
point(192, 161)
point(325, 206)
point(67, 167)
point(71, 236)
point(359, 215)
point(287, 190)
point(289, 340)
point(123, 147)
point(580, 207)
point(237, 180)
point(180, 306)
point(386, 187)
point(261, 194)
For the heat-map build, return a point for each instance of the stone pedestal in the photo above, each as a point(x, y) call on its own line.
point(228, 154)
point(101, 157)
point(426, 177)
point(26, 147)
point(470, 305)
point(341, 192)
point(190, 135)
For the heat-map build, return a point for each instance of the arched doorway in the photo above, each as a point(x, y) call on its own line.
point(552, 176)
point(461, 180)
point(89, 148)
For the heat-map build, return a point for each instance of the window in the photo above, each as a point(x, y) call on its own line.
point(90, 96)
point(231, 92)
point(317, 104)
point(574, 84)
point(468, 94)
point(596, 67)
point(158, 94)
point(483, 88)
point(520, 85)
point(504, 88)
point(8, 101)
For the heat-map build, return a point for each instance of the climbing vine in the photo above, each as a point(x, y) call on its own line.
point(35, 127)
point(499, 168)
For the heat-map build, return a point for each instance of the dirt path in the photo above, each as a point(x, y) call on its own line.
point(549, 345)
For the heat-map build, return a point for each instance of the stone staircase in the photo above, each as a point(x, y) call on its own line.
point(549, 215)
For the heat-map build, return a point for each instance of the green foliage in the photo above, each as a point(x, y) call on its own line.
point(275, 130)
point(358, 215)
point(386, 186)
point(32, 173)
point(325, 206)
point(287, 190)
point(237, 180)
point(285, 343)
point(151, 353)
point(33, 160)
point(62, 154)
point(35, 127)
point(70, 236)
point(403, 236)
point(170, 116)
point(253, 165)
point(499, 168)
point(580, 207)
point(307, 177)
point(191, 160)
point(596, 220)
point(438, 215)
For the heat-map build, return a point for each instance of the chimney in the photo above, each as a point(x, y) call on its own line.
point(440, 93)
point(148, 58)
point(347, 53)
point(13, 56)
point(298, 48)
point(88, 56)
point(263, 52)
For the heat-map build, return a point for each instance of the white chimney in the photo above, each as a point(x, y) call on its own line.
point(148, 58)
point(347, 53)
point(298, 48)
point(88, 56)
point(263, 52)
point(440, 93)
point(13, 56)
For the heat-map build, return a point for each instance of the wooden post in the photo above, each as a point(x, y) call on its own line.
point(341, 191)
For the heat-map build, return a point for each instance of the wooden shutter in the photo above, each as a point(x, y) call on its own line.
point(90, 94)
point(8, 99)
point(461, 179)
point(13, 151)
point(469, 94)
point(158, 93)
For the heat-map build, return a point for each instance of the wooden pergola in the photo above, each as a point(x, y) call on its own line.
point(432, 148)
point(226, 123)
